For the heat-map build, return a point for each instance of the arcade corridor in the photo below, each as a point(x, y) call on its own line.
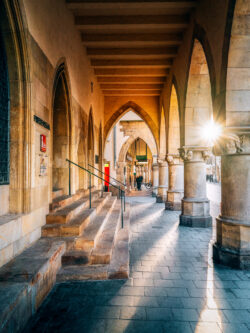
point(173, 288)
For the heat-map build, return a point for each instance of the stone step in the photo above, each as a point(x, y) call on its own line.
point(102, 252)
point(65, 200)
point(26, 280)
point(119, 264)
point(77, 224)
point(73, 273)
point(76, 258)
point(91, 233)
point(57, 193)
point(68, 212)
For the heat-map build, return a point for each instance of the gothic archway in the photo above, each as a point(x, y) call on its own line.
point(61, 132)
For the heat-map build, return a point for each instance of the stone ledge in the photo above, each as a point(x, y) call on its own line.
point(26, 280)
point(196, 221)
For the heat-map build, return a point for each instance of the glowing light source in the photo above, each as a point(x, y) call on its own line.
point(211, 132)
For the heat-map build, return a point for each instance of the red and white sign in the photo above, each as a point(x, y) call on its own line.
point(43, 143)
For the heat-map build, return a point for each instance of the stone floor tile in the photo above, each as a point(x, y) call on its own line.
point(131, 291)
point(237, 316)
point(133, 313)
point(177, 327)
point(233, 328)
point(106, 312)
point(209, 315)
point(159, 314)
point(144, 283)
point(205, 327)
point(185, 315)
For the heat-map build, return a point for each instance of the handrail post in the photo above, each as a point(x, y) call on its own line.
point(124, 201)
point(89, 190)
point(69, 180)
point(121, 208)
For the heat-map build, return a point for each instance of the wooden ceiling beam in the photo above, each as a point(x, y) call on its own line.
point(131, 92)
point(131, 79)
point(132, 21)
point(138, 86)
point(131, 72)
point(133, 51)
point(119, 63)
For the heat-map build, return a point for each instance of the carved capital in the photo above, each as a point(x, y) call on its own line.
point(196, 153)
point(233, 143)
point(173, 159)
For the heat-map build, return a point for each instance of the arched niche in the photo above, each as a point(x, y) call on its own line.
point(16, 189)
point(90, 142)
point(198, 107)
point(81, 155)
point(61, 132)
point(174, 123)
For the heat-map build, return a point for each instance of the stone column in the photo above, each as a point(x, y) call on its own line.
point(155, 171)
point(176, 182)
point(232, 245)
point(163, 181)
point(195, 204)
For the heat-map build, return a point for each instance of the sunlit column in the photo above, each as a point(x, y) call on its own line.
point(176, 182)
point(195, 204)
point(155, 176)
point(163, 181)
point(232, 246)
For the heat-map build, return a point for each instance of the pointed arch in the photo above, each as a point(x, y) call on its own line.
point(174, 123)
point(129, 141)
point(130, 105)
point(163, 138)
point(61, 125)
point(90, 140)
point(13, 27)
point(198, 106)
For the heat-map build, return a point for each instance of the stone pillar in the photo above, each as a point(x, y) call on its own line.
point(232, 245)
point(176, 182)
point(163, 181)
point(195, 204)
point(155, 171)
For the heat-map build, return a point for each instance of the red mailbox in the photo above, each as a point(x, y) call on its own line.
point(43, 143)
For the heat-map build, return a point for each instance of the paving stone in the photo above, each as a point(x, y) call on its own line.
point(159, 314)
point(185, 315)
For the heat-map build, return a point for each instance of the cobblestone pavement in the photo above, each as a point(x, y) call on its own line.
point(173, 286)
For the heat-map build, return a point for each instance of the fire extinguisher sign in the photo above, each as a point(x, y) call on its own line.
point(43, 143)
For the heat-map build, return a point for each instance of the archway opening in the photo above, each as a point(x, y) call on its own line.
point(61, 136)
point(139, 161)
point(129, 127)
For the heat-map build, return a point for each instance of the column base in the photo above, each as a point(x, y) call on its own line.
point(172, 205)
point(196, 221)
point(231, 258)
point(160, 198)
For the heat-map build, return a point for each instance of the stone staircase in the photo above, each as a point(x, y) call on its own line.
point(92, 236)
point(77, 243)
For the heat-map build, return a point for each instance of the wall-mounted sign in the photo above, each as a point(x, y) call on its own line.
point(43, 167)
point(43, 143)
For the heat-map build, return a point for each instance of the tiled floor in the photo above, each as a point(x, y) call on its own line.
point(174, 286)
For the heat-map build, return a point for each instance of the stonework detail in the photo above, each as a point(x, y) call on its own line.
point(232, 143)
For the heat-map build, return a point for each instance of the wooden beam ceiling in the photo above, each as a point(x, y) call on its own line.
point(131, 43)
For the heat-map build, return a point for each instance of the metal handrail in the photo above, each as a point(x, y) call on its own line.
point(104, 173)
point(122, 192)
